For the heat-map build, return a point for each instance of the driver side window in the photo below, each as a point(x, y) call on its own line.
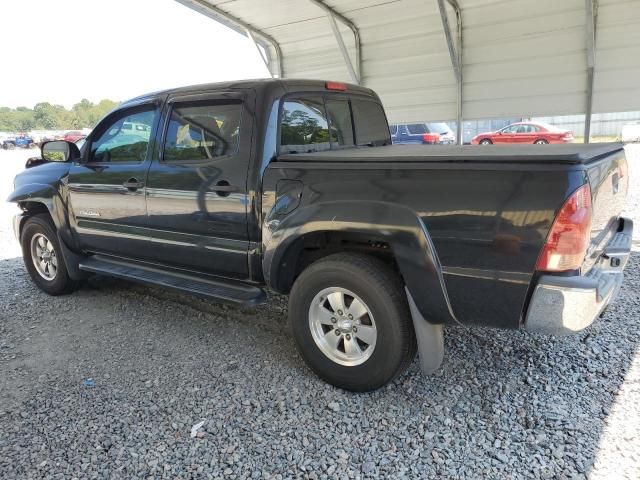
point(125, 139)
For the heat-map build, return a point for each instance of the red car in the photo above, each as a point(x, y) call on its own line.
point(73, 136)
point(525, 132)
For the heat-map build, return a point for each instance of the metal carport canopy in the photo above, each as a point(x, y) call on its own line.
point(511, 58)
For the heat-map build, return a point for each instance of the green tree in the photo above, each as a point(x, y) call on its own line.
point(46, 116)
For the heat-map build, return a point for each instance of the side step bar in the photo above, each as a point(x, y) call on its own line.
point(221, 291)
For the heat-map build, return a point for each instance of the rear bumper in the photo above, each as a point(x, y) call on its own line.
point(564, 305)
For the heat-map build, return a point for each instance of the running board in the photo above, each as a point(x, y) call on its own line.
point(227, 292)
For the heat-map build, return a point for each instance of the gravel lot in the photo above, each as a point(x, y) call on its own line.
point(109, 381)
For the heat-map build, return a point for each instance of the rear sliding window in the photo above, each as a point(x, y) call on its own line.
point(341, 126)
point(316, 123)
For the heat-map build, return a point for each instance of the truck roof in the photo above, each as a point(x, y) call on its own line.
point(287, 84)
point(571, 153)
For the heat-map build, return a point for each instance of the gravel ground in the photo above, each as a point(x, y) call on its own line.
point(108, 382)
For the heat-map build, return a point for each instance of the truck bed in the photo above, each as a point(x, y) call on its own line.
point(572, 154)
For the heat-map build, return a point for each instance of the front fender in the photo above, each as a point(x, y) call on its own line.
point(48, 196)
point(397, 225)
point(34, 192)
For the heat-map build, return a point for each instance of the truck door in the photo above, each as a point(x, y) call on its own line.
point(107, 187)
point(197, 198)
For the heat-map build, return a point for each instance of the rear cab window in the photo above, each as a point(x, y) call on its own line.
point(315, 122)
point(304, 126)
point(370, 122)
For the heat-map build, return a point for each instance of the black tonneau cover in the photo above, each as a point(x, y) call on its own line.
point(571, 153)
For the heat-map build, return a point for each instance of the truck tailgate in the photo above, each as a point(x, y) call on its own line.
point(609, 181)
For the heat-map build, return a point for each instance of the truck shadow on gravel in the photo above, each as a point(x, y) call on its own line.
point(503, 400)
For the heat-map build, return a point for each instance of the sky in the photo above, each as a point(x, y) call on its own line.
point(67, 50)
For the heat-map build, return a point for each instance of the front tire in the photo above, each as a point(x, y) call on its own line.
point(485, 141)
point(43, 257)
point(351, 321)
point(541, 141)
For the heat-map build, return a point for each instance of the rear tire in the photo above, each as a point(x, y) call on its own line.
point(43, 257)
point(328, 338)
point(485, 141)
point(541, 141)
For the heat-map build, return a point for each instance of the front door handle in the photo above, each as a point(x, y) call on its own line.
point(133, 184)
point(224, 188)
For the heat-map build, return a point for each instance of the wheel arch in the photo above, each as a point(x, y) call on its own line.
point(392, 232)
point(36, 198)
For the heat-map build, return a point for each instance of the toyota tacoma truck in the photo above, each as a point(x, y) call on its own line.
point(231, 190)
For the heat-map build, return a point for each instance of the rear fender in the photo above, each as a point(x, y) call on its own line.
point(398, 226)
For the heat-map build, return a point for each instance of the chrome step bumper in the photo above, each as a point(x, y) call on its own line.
point(564, 305)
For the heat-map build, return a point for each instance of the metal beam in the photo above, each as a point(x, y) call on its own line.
point(455, 53)
point(591, 7)
point(343, 49)
point(333, 15)
point(261, 38)
point(262, 53)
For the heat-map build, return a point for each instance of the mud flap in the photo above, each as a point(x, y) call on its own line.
point(430, 339)
point(72, 261)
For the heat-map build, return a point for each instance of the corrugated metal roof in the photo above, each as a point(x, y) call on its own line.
point(520, 57)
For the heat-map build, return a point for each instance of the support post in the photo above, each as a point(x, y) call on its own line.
point(455, 52)
point(333, 15)
point(209, 10)
point(260, 52)
point(343, 49)
point(591, 17)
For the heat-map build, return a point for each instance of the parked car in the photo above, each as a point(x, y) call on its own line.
point(525, 132)
point(631, 132)
point(292, 186)
point(80, 142)
point(427, 133)
point(73, 136)
point(25, 141)
point(7, 141)
point(48, 137)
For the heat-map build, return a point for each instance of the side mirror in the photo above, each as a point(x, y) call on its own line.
point(60, 151)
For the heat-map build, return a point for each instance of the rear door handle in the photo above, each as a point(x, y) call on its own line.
point(133, 184)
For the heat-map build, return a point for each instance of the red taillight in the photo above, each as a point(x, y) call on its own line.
point(567, 242)
point(341, 87)
point(431, 138)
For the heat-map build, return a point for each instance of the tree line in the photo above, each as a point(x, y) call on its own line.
point(46, 116)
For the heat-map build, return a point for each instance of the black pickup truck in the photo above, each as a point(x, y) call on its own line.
point(228, 190)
